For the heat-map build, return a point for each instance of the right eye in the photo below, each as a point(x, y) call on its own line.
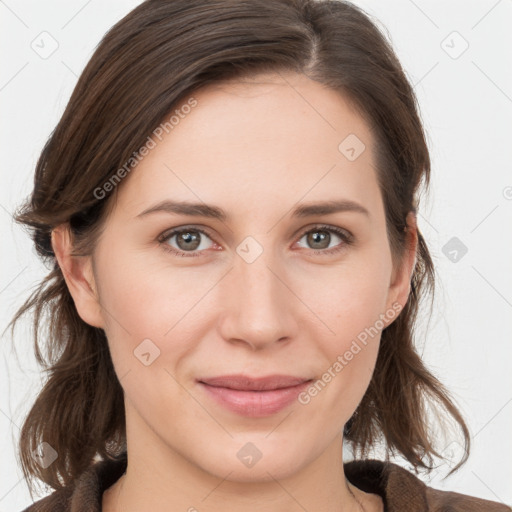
point(190, 241)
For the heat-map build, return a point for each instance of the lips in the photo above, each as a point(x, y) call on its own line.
point(254, 397)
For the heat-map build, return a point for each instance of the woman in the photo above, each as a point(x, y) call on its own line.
point(281, 141)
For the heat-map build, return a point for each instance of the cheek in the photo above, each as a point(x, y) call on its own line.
point(350, 297)
point(149, 333)
point(352, 306)
point(349, 355)
point(153, 309)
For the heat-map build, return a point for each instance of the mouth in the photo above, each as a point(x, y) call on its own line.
point(254, 397)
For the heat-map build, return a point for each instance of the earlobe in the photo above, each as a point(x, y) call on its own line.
point(79, 276)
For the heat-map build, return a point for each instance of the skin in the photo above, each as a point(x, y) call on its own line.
point(256, 149)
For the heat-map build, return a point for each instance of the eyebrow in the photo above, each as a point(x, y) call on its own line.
point(214, 212)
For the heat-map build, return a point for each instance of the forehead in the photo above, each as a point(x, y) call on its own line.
point(245, 142)
point(274, 110)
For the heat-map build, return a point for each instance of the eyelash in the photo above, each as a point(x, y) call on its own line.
point(343, 234)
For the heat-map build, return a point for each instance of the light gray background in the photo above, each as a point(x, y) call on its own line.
point(466, 106)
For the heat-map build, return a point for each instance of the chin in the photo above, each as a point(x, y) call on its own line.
point(247, 463)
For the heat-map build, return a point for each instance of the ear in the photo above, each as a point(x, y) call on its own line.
point(400, 285)
point(79, 277)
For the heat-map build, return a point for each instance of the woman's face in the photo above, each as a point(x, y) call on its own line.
point(261, 291)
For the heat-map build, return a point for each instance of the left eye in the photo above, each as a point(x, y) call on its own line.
point(320, 237)
point(190, 243)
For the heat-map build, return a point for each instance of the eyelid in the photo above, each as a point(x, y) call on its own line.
point(346, 236)
point(190, 227)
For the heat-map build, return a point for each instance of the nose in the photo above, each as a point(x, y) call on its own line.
point(262, 309)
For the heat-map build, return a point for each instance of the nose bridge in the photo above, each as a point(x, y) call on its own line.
point(260, 303)
point(258, 280)
point(254, 259)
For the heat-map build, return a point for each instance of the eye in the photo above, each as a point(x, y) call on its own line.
point(188, 239)
point(320, 237)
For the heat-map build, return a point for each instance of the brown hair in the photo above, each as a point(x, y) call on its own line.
point(144, 67)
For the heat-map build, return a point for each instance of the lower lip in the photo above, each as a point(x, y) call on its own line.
point(255, 404)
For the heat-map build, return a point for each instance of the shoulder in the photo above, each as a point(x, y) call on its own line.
point(58, 501)
point(447, 501)
point(85, 493)
point(402, 490)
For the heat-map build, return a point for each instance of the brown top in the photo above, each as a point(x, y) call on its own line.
point(401, 491)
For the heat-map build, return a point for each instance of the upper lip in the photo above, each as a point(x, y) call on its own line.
point(245, 383)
